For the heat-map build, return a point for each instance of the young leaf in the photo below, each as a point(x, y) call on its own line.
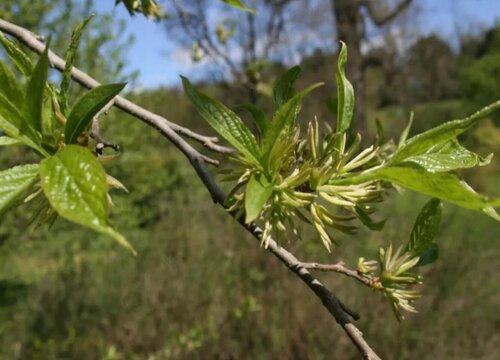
point(33, 97)
point(406, 131)
point(448, 156)
point(87, 107)
point(16, 55)
point(8, 141)
point(332, 104)
point(367, 220)
point(14, 182)
point(444, 186)
point(257, 192)
point(224, 121)
point(75, 184)
point(380, 139)
point(284, 87)
point(284, 118)
point(421, 242)
point(9, 85)
point(430, 255)
point(239, 5)
point(421, 143)
point(258, 117)
point(13, 124)
point(70, 58)
point(345, 93)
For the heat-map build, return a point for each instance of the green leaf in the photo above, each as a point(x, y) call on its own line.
point(257, 192)
point(75, 184)
point(239, 5)
point(70, 59)
point(284, 119)
point(224, 121)
point(258, 116)
point(14, 182)
point(284, 87)
point(448, 156)
point(367, 220)
point(345, 93)
point(9, 85)
point(87, 107)
point(444, 186)
point(16, 55)
point(406, 131)
point(421, 143)
point(380, 132)
point(424, 231)
point(33, 97)
point(332, 104)
point(13, 124)
point(8, 141)
point(429, 256)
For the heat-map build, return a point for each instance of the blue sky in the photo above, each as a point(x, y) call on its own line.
point(159, 62)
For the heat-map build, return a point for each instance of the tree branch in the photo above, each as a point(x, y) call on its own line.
point(31, 40)
point(340, 268)
point(381, 19)
point(198, 161)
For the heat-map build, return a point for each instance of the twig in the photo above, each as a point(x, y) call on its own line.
point(31, 40)
point(342, 269)
point(197, 160)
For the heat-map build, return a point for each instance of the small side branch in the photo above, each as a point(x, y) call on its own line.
point(340, 268)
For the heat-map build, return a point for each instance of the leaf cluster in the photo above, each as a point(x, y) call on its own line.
point(323, 178)
point(69, 180)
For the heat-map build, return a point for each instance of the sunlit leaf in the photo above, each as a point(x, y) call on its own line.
point(448, 156)
point(9, 85)
point(406, 131)
point(345, 93)
point(70, 58)
point(284, 86)
point(422, 236)
point(257, 192)
point(258, 117)
point(11, 122)
point(16, 55)
point(284, 119)
point(87, 107)
point(8, 141)
point(421, 143)
point(444, 186)
point(75, 184)
point(239, 5)
point(224, 121)
point(33, 97)
point(14, 182)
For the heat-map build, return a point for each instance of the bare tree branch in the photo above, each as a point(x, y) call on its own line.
point(340, 268)
point(381, 19)
point(198, 161)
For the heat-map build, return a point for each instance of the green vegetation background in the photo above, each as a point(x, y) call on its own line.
point(201, 288)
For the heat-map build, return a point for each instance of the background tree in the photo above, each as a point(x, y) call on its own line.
point(59, 18)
